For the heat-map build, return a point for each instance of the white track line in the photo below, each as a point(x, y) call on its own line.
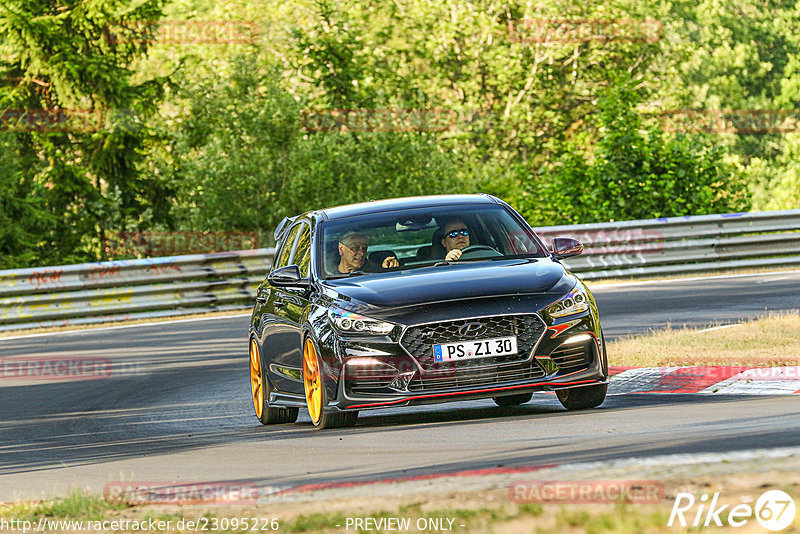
point(719, 327)
point(674, 280)
point(102, 328)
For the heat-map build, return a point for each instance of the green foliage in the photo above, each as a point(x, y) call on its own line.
point(241, 146)
point(331, 53)
point(209, 136)
point(635, 174)
point(76, 505)
point(21, 213)
point(56, 56)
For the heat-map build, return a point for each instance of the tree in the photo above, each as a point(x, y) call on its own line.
point(22, 214)
point(59, 62)
point(245, 162)
point(633, 174)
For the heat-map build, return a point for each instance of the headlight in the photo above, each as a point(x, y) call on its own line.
point(353, 323)
point(576, 301)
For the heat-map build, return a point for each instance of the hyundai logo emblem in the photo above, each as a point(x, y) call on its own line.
point(472, 329)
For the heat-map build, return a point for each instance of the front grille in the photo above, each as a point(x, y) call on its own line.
point(419, 340)
point(572, 356)
point(487, 376)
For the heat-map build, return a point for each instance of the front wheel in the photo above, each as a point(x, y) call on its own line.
point(316, 395)
point(582, 398)
point(260, 387)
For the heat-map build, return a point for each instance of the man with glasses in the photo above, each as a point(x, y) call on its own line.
point(455, 237)
point(353, 253)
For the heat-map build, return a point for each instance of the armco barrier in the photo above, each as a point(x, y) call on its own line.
point(163, 287)
point(683, 245)
point(130, 289)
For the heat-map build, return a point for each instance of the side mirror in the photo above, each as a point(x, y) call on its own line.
point(288, 276)
point(566, 247)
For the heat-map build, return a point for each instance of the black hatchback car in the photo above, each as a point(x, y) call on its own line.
point(420, 300)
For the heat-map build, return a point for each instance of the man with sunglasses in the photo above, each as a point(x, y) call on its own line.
point(455, 237)
point(353, 253)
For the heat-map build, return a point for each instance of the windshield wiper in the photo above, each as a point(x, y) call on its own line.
point(490, 258)
point(456, 262)
point(345, 275)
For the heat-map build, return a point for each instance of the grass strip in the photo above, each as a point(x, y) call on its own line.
point(771, 341)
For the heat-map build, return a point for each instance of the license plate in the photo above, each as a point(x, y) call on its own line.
point(478, 348)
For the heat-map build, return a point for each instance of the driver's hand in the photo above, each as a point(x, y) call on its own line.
point(391, 261)
point(453, 255)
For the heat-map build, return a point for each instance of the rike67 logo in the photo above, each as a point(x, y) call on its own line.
point(774, 510)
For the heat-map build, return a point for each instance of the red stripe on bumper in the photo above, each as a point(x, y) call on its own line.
point(436, 395)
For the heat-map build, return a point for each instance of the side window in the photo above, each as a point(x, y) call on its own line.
point(302, 253)
point(286, 250)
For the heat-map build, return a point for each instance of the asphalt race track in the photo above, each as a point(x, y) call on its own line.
point(637, 307)
point(177, 408)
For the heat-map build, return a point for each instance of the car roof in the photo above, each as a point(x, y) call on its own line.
point(395, 204)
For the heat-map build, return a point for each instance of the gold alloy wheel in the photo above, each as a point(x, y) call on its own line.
point(256, 382)
point(312, 382)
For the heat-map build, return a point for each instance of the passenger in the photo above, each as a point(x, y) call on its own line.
point(353, 254)
point(455, 237)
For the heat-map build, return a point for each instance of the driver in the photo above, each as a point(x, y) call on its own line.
point(455, 237)
point(353, 253)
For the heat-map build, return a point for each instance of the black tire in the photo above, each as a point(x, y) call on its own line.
point(338, 420)
point(605, 354)
point(582, 398)
point(269, 415)
point(277, 415)
point(326, 419)
point(512, 400)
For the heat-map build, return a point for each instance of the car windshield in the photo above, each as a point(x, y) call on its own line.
point(421, 238)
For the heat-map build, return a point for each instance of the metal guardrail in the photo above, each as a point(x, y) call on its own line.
point(130, 289)
point(177, 285)
point(683, 245)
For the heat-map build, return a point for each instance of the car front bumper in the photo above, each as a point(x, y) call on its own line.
point(396, 382)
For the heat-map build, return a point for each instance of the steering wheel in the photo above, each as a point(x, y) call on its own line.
point(478, 251)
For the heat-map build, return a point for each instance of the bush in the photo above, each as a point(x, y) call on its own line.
point(634, 174)
point(244, 162)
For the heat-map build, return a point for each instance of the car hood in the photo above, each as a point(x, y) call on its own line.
point(452, 282)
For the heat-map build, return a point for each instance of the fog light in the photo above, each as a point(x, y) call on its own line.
point(367, 362)
point(580, 338)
